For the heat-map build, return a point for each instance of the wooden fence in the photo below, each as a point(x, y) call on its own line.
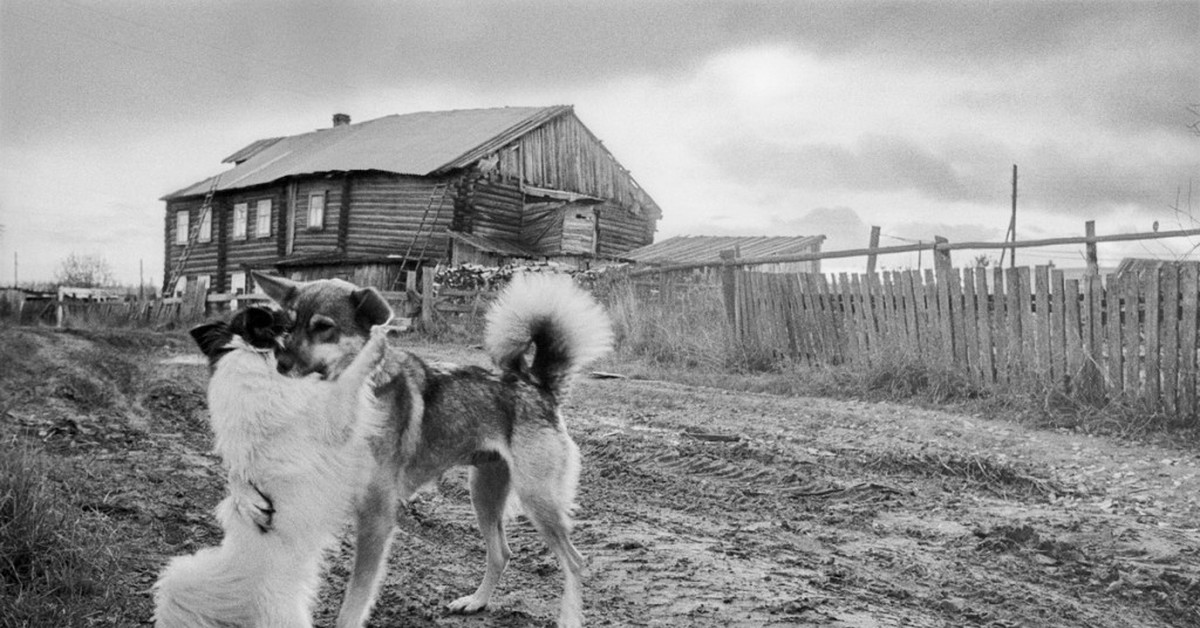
point(1132, 335)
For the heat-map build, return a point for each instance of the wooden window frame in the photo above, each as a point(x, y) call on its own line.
point(205, 233)
point(259, 232)
point(183, 223)
point(241, 220)
point(319, 223)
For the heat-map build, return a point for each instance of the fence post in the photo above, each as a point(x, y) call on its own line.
point(427, 297)
point(1093, 264)
point(728, 287)
point(58, 309)
point(873, 244)
point(941, 258)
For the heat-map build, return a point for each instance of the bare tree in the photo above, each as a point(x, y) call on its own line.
point(84, 271)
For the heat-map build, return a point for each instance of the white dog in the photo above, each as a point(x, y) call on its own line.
point(297, 455)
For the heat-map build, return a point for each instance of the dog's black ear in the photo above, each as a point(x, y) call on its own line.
point(211, 337)
point(370, 308)
point(282, 291)
point(257, 325)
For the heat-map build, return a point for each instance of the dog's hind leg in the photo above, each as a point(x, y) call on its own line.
point(489, 494)
point(376, 521)
point(546, 490)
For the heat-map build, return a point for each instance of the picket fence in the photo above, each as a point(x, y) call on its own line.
point(1132, 335)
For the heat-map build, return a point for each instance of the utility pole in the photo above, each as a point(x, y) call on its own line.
point(141, 279)
point(15, 283)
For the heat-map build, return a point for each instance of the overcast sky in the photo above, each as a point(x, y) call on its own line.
point(767, 118)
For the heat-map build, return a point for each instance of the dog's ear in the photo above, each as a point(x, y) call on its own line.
point(257, 325)
point(211, 337)
point(282, 291)
point(370, 308)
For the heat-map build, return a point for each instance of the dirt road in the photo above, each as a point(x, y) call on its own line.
point(698, 507)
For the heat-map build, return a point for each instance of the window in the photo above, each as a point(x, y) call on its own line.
point(205, 227)
point(204, 283)
point(316, 211)
point(262, 217)
point(181, 227)
point(239, 221)
point(237, 283)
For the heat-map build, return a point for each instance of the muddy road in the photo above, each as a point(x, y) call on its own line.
point(697, 506)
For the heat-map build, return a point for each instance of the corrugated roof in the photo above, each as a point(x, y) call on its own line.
point(413, 143)
point(685, 249)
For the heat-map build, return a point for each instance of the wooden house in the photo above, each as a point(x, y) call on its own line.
point(700, 249)
point(366, 202)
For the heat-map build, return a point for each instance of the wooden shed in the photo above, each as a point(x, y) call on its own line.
point(699, 249)
point(367, 201)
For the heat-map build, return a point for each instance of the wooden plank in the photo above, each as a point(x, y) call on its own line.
point(1096, 295)
point(1114, 357)
point(1189, 324)
point(932, 327)
point(868, 285)
point(1058, 337)
point(1149, 287)
point(886, 312)
point(1028, 328)
point(970, 320)
point(1169, 355)
point(984, 318)
point(843, 297)
point(804, 319)
point(914, 297)
point(825, 331)
point(945, 321)
point(1041, 290)
point(1016, 353)
point(1131, 335)
point(834, 323)
point(800, 320)
point(1074, 348)
point(954, 313)
point(1000, 326)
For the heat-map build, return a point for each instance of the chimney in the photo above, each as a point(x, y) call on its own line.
point(340, 119)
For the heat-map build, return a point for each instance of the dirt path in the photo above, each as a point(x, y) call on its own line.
point(700, 507)
point(707, 508)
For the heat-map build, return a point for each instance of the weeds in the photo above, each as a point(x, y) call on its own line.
point(45, 557)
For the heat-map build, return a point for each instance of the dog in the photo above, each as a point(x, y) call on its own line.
point(505, 424)
point(294, 449)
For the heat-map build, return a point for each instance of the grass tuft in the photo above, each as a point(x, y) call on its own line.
point(46, 559)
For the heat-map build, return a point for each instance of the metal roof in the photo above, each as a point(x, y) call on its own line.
point(414, 143)
point(685, 249)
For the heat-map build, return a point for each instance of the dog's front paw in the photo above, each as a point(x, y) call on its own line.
point(467, 604)
point(258, 507)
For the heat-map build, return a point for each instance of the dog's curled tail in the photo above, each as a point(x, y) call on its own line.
point(566, 326)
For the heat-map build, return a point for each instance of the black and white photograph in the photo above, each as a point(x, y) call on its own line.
point(749, 313)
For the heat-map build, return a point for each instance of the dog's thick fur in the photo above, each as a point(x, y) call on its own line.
point(301, 444)
point(506, 425)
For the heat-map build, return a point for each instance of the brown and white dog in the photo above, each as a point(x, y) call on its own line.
point(294, 450)
point(505, 424)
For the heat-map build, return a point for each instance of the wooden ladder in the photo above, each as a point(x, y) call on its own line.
point(437, 200)
point(193, 236)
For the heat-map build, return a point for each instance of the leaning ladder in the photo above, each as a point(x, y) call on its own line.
point(193, 236)
point(437, 200)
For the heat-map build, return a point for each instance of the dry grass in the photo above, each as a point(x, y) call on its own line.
point(48, 557)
